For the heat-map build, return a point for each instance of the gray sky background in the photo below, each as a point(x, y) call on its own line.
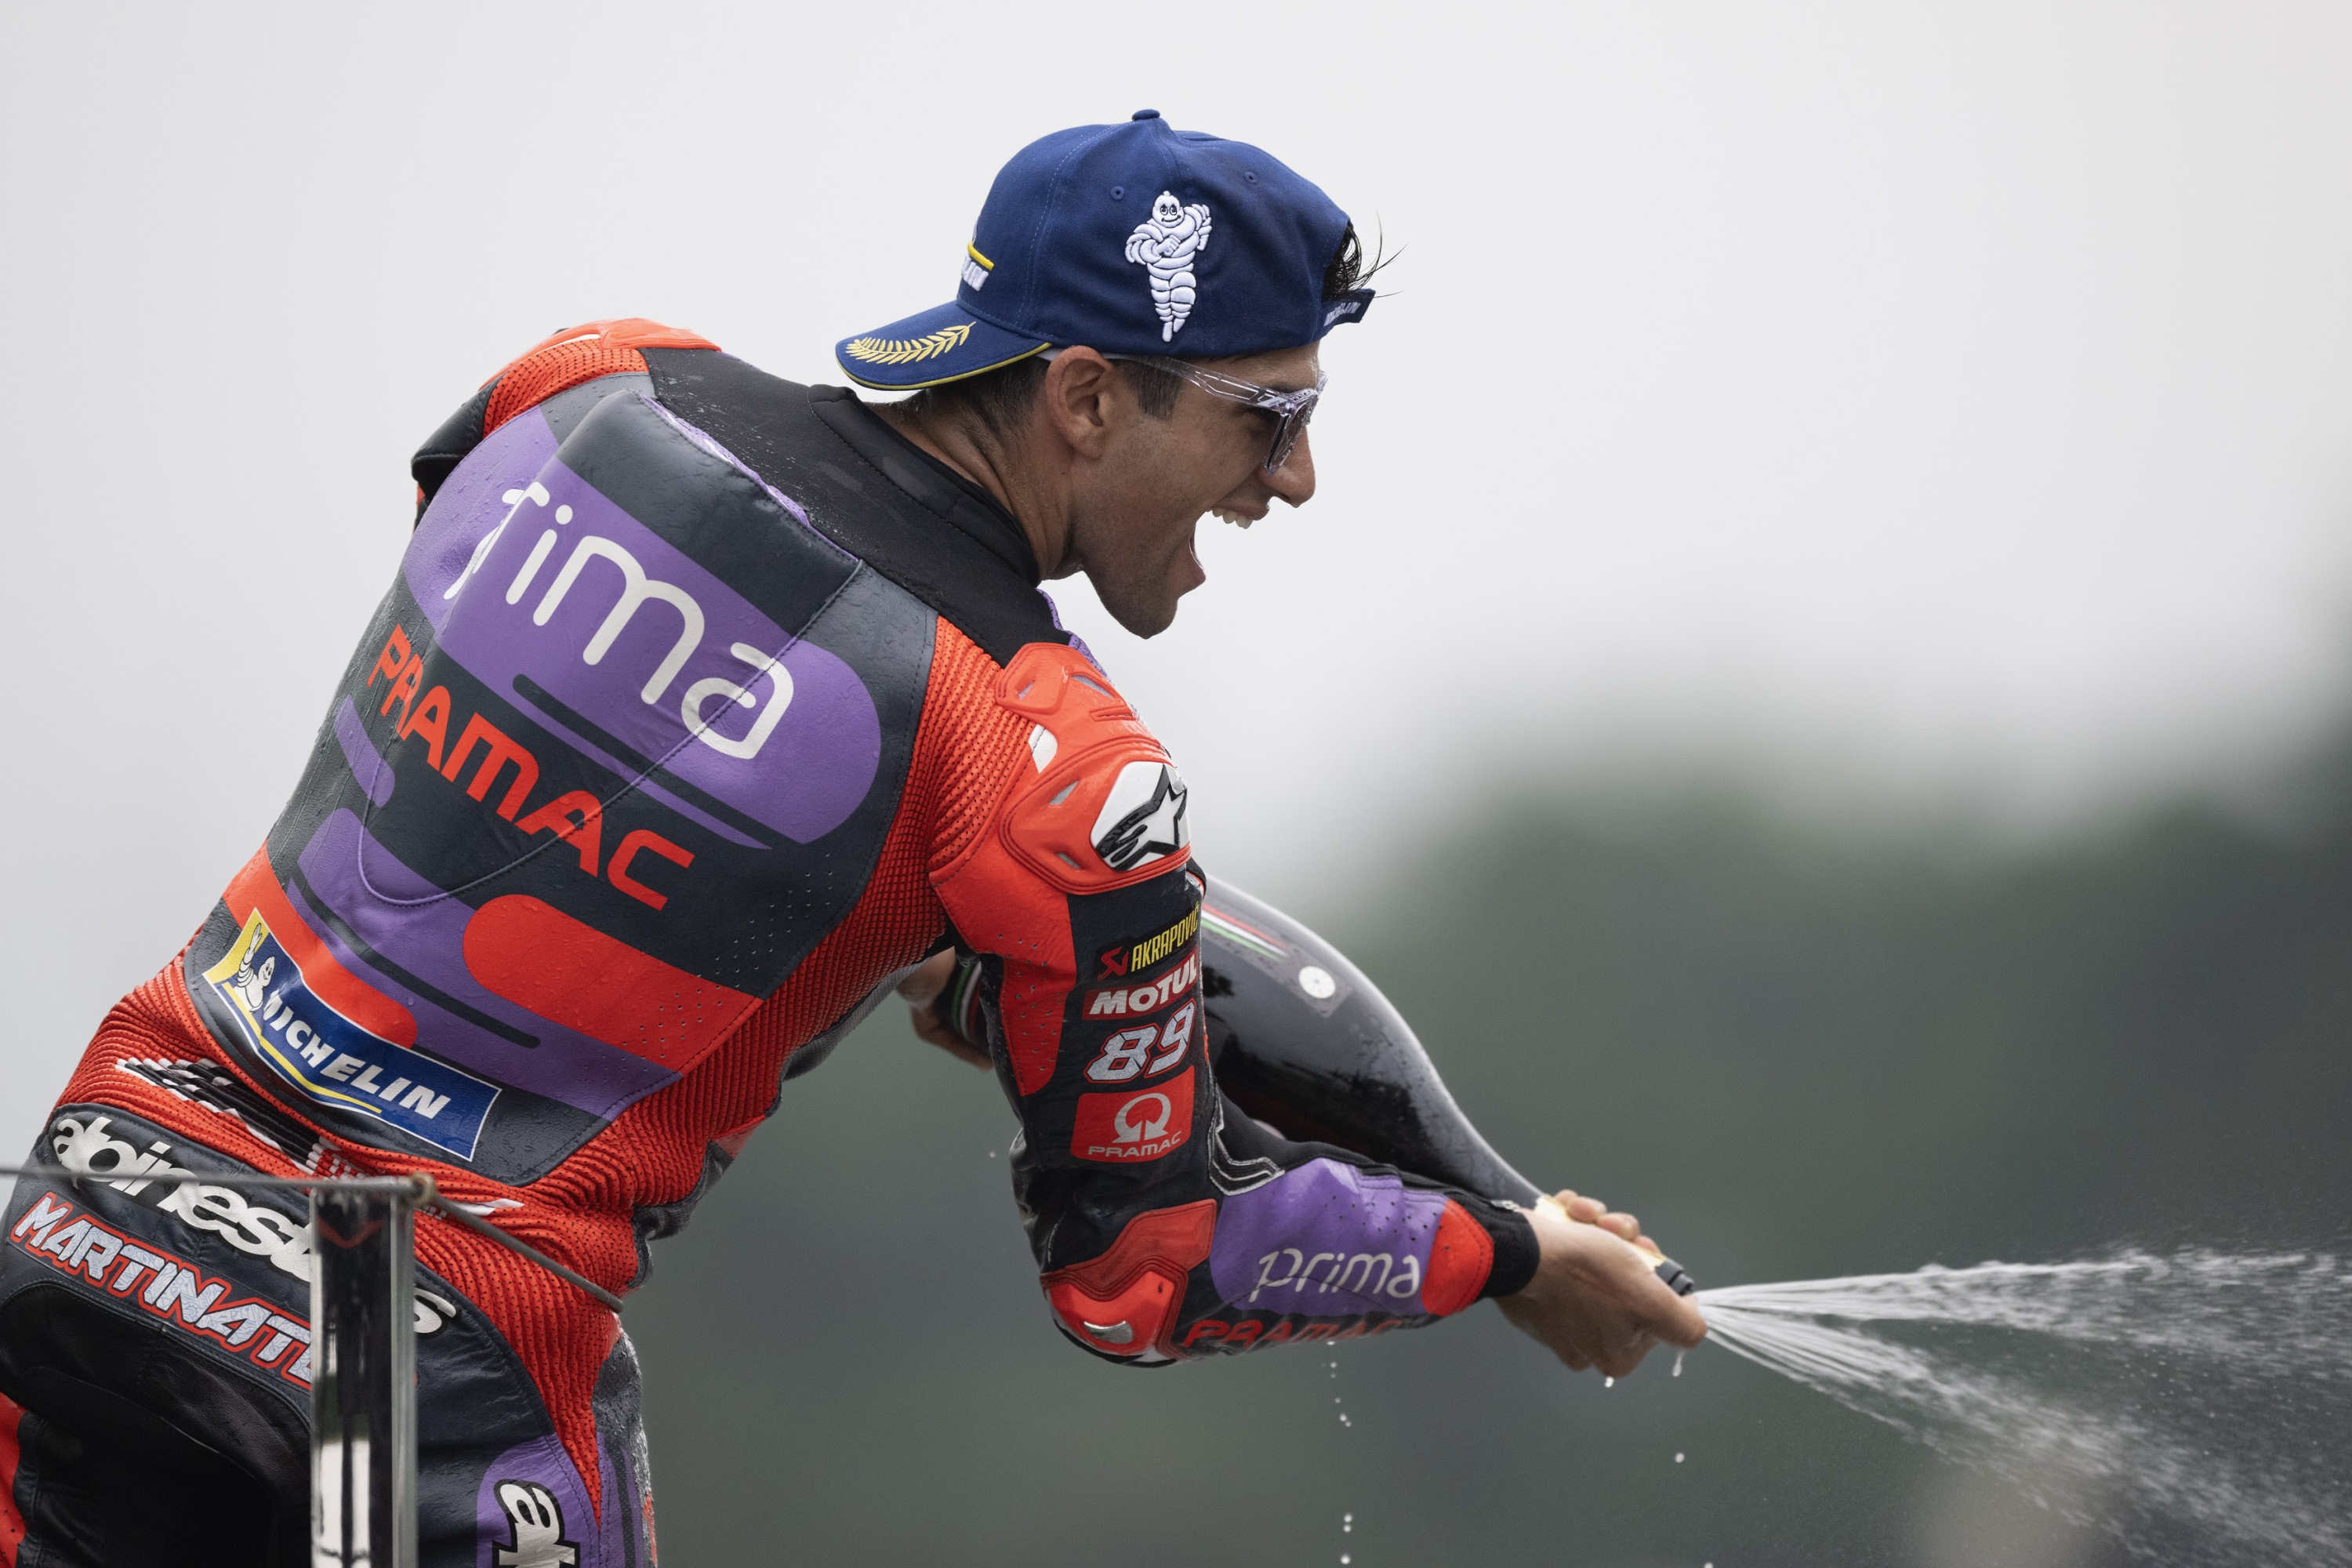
point(1932, 403)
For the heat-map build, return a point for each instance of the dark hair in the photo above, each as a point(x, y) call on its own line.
point(1349, 271)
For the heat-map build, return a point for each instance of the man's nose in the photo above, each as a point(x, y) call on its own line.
point(1295, 481)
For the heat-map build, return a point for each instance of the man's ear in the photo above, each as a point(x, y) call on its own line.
point(1082, 398)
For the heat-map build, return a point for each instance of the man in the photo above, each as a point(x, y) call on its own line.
point(704, 709)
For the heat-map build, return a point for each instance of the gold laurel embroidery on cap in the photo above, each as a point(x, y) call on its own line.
point(906, 350)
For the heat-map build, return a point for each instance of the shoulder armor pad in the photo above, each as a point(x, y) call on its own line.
point(575, 354)
point(579, 354)
point(1107, 809)
point(561, 362)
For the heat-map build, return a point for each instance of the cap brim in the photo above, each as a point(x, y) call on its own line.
point(944, 344)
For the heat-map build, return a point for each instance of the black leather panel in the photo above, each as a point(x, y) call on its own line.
point(870, 490)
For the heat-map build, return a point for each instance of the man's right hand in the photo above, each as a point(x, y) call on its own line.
point(1595, 1299)
point(921, 989)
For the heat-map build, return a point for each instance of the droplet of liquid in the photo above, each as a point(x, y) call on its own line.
point(1347, 1521)
point(1678, 1362)
point(1608, 1383)
point(1678, 1459)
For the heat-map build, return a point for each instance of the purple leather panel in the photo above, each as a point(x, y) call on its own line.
point(1326, 1240)
point(532, 1509)
point(467, 506)
point(417, 926)
point(574, 595)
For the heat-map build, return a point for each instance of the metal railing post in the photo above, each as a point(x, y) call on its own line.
point(363, 1346)
point(363, 1377)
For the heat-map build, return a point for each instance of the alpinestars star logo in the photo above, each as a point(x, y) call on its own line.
point(537, 1521)
point(1165, 243)
point(1143, 817)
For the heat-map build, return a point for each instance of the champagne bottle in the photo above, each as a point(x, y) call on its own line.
point(1301, 1041)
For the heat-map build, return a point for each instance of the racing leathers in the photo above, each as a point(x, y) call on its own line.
point(702, 708)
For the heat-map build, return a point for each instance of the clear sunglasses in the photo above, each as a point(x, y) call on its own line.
point(1291, 410)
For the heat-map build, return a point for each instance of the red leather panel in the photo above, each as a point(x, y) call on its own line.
point(568, 972)
point(1140, 1282)
point(1050, 824)
point(1459, 1261)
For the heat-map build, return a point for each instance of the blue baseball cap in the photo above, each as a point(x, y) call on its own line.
point(1131, 238)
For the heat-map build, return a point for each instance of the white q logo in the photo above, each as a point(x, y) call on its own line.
point(1126, 1131)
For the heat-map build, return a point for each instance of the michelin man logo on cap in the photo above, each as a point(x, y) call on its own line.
point(1165, 243)
point(1056, 258)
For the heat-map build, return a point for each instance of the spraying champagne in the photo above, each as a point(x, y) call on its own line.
point(1304, 1043)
